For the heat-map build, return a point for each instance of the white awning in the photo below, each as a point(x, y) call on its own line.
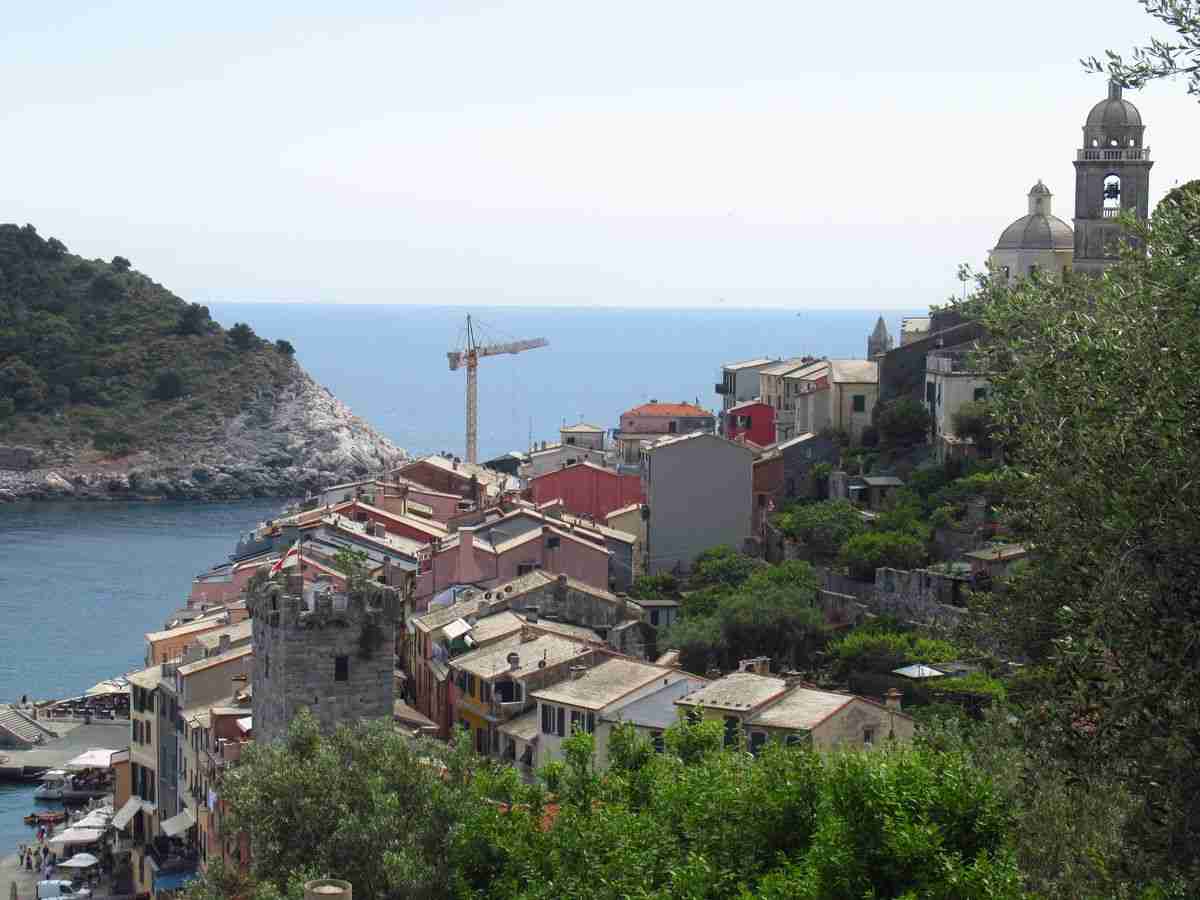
point(456, 629)
point(94, 758)
point(97, 818)
point(918, 670)
point(245, 724)
point(79, 861)
point(126, 813)
point(110, 686)
point(77, 836)
point(177, 825)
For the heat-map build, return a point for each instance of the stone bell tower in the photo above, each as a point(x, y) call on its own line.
point(1112, 174)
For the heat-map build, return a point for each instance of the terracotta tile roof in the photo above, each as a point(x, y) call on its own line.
point(668, 409)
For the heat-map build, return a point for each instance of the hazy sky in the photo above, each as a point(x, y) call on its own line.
point(651, 153)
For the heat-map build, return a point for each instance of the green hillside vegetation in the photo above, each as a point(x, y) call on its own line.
point(96, 359)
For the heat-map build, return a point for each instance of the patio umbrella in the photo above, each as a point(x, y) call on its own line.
point(79, 861)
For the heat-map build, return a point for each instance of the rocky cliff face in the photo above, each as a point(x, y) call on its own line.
point(282, 444)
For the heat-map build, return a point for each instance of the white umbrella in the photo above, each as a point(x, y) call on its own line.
point(79, 861)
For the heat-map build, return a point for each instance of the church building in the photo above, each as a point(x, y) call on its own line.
point(1112, 175)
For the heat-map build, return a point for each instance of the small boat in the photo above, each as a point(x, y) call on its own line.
point(59, 785)
point(45, 818)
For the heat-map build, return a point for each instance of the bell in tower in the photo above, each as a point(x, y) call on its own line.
point(1112, 175)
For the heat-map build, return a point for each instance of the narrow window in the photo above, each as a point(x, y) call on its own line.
point(562, 721)
point(591, 723)
point(341, 668)
point(267, 665)
point(980, 394)
point(731, 730)
point(868, 736)
point(757, 739)
point(656, 738)
point(654, 617)
point(576, 721)
point(860, 402)
point(547, 719)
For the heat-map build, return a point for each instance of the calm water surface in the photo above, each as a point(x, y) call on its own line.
point(81, 584)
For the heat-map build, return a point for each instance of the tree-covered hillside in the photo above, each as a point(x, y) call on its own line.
point(96, 359)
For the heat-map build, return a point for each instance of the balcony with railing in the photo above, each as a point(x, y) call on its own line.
point(1113, 154)
point(955, 362)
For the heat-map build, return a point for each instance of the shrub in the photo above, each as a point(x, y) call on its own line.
point(723, 566)
point(194, 319)
point(870, 436)
point(168, 385)
point(285, 347)
point(242, 336)
point(864, 553)
point(974, 420)
point(903, 422)
point(120, 264)
point(114, 443)
point(823, 526)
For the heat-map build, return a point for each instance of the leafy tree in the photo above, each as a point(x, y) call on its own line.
point(1094, 389)
point(723, 566)
point(974, 420)
point(194, 319)
point(168, 385)
point(285, 347)
point(243, 336)
point(864, 553)
point(120, 264)
point(114, 443)
point(364, 804)
point(1159, 58)
point(902, 422)
point(823, 526)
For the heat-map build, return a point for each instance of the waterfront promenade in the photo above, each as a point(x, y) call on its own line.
point(73, 739)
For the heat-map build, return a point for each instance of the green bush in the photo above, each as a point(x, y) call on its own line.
point(903, 422)
point(977, 683)
point(168, 385)
point(864, 553)
point(285, 347)
point(114, 443)
point(872, 649)
point(824, 526)
point(242, 336)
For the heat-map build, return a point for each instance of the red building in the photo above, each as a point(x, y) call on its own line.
point(587, 489)
point(753, 420)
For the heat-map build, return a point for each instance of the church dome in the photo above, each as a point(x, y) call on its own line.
point(1113, 113)
point(1037, 232)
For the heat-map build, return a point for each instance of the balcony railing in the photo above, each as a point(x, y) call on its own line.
point(1110, 212)
point(955, 362)
point(1113, 154)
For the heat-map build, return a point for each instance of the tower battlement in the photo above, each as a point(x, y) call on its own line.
point(331, 652)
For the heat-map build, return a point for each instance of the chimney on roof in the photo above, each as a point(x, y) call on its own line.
point(531, 614)
point(466, 548)
point(578, 672)
point(892, 699)
point(759, 665)
point(514, 661)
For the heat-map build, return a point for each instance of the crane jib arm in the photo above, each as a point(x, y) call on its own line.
point(513, 347)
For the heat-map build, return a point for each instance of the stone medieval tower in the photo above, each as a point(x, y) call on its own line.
point(331, 653)
point(1112, 173)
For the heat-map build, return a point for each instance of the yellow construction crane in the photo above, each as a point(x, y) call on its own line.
point(469, 356)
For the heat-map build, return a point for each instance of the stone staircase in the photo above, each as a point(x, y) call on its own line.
point(18, 731)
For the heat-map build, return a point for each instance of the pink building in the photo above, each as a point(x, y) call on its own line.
point(587, 489)
point(498, 551)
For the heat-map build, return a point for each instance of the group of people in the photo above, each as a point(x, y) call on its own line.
point(39, 857)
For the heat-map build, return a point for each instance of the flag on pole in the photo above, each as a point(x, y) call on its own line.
point(289, 559)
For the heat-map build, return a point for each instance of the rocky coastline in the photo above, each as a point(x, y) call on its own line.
point(283, 443)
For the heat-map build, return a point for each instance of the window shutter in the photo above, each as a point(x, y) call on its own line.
point(562, 715)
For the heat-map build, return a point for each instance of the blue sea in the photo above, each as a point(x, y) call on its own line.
point(81, 583)
point(389, 362)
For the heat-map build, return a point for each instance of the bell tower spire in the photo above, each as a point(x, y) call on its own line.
point(1112, 175)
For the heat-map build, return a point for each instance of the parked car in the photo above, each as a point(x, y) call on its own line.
point(61, 888)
